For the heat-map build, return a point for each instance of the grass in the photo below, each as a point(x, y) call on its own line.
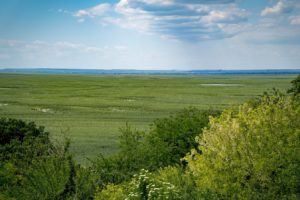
point(91, 109)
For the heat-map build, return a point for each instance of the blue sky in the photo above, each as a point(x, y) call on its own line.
point(150, 34)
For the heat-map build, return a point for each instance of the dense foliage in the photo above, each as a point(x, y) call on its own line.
point(32, 167)
point(176, 135)
point(253, 154)
point(166, 143)
point(167, 183)
point(20, 141)
point(295, 90)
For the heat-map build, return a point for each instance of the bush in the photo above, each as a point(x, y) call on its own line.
point(84, 184)
point(143, 185)
point(182, 180)
point(45, 179)
point(111, 192)
point(253, 154)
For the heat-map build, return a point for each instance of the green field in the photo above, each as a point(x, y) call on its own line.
point(91, 109)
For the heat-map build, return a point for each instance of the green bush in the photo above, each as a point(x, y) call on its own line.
point(252, 154)
point(111, 192)
point(143, 185)
point(45, 179)
point(84, 184)
point(182, 180)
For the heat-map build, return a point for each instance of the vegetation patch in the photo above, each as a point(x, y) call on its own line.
point(108, 102)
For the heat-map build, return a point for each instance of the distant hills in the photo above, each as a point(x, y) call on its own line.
point(147, 72)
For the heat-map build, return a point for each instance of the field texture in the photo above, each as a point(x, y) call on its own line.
point(91, 109)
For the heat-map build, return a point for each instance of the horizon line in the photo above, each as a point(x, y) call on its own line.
point(133, 69)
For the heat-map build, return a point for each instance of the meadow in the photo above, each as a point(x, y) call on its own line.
point(91, 109)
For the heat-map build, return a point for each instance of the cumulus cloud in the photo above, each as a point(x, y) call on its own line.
point(175, 19)
point(284, 14)
point(282, 6)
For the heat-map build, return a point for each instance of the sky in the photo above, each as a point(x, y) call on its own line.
point(150, 34)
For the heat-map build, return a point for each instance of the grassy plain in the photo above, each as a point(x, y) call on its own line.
point(91, 109)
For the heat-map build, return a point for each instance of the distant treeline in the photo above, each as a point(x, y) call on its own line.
point(246, 153)
point(148, 72)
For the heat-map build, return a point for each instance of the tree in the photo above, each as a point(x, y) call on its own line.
point(252, 154)
point(295, 90)
point(32, 167)
point(176, 134)
point(20, 142)
point(14, 129)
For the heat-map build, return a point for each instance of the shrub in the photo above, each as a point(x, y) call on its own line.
point(84, 184)
point(182, 180)
point(45, 179)
point(143, 185)
point(111, 192)
point(146, 186)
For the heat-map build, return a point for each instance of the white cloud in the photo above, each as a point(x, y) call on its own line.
point(98, 10)
point(199, 8)
point(270, 31)
point(161, 2)
point(282, 6)
point(294, 20)
point(175, 19)
point(61, 47)
point(58, 54)
point(43, 47)
point(230, 15)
